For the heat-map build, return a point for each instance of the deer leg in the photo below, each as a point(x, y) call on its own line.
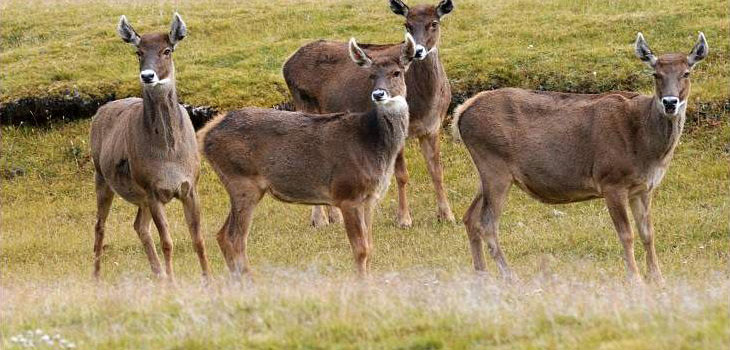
point(225, 244)
point(104, 198)
point(369, 209)
point(617, 203)
point(430, 148)
point(641, 208)
point(160, 219)
point(142, 226)
point(319, 216)
point(482, 221)
point(356, 227)
point(243, 202)
point(191, 208)
point(475, 231)
point(401, 176)
point(335, 215)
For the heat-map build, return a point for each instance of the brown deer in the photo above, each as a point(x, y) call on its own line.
point(145, 150)
point(564, 148)
point(322, 80)
point(256, 150)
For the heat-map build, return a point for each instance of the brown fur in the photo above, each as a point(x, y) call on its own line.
point(564, 148)
point(322, 80)
point(144, 150)
point(255, 151)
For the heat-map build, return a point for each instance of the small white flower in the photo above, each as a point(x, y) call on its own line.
point(38, 331)
point(530, 46)
point(558, 213)
point(14, 339)
point(45, 337)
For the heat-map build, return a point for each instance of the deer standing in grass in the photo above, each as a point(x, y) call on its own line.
point(145, 150)
point(322, 80)
point(256, 150)
point(564, 148)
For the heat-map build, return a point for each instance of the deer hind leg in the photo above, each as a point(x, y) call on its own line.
point(482, 221)
point(617, 203)
point(245, 195)
point(641, 208)
point(142, 226)
point(403, 214)
point(430, 148)
point(356, 227)
point(191, 207)
point(160, 219)
point(104, 198)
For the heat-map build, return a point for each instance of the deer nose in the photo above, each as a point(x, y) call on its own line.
point(670, 103)
point(378, 95)
point(147, 76)
point(420, 52)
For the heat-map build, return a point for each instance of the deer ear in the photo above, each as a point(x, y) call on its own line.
point(358, 55)
point(178, 30)
point(408, 52)
point(444, 8)
point(699, 51)
point(643, 52)
point(126, 32)
point(398, 7)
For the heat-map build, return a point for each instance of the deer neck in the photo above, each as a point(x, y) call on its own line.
point(395, 114)
point(425, 76)
point(663, 132)
point(162, 117)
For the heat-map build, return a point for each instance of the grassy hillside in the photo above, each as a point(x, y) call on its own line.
point(235, 49)
point(423, 293)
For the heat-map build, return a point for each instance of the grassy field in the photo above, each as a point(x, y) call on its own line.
point(423, 293)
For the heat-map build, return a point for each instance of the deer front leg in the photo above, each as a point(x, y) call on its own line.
point(403, 214)
point(430, 148)
point(356, 228)
point(319, 216)
point(617, 203)
point(160, 219)
point(104, 198)
point(641, 208)
point(191, 207)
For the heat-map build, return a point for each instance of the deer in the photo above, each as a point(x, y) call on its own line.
point(254, 151)
point(565, 147)
point(322, 80)
point(145, 151)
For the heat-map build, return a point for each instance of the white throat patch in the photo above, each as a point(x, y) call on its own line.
point(395, 104)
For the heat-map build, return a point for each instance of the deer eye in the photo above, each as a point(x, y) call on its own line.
point(139, 54)
point(685, 75)
point(372, 77)
point(396, 73)
point(434, 24)
point(167, 52)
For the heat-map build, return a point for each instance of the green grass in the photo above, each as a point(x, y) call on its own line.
point(423, 293)
point(234, 51)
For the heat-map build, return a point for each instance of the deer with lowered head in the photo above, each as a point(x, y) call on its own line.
point(256, 150)
point(564, 148)
point(322, 80)
point(145, 150)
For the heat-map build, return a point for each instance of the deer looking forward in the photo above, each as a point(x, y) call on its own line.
point(145, 150)
point(563, 148)
point(322, 80)
point(255, 151)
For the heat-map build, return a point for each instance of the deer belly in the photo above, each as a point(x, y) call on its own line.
point(557, 188)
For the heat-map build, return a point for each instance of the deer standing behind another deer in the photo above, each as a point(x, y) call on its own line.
point(256, 150)
point(563, 148)
point(145, 150)
point(322, 80)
